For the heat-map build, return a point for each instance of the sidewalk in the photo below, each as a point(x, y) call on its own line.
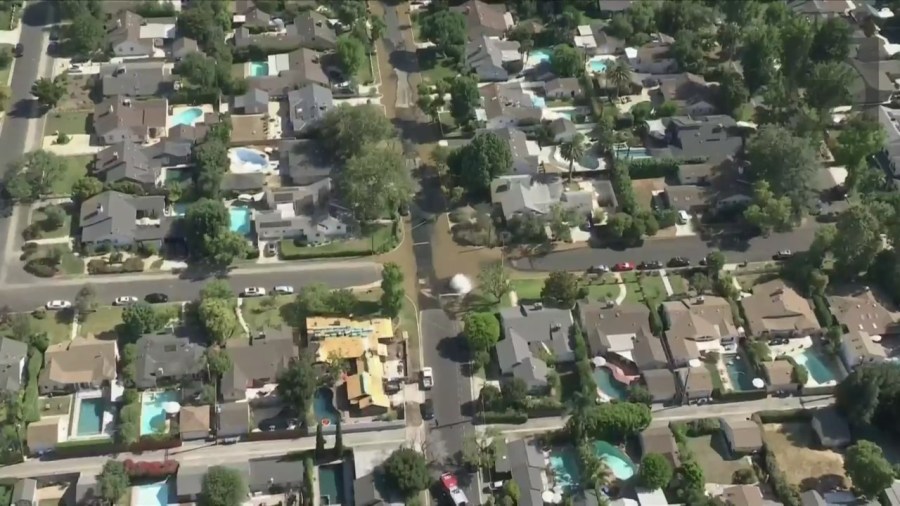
point(11, 36)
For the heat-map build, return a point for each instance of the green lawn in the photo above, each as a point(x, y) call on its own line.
point(273, 311)
point(69, 263)
point(43, 231)
point(527, 289)
point(57, 325)
point(76, 168)
point(5, 71)
point(102, 323)
point(5, 20)
point(364, 74)
point(366, 245)
point(68, 122)
point(434, 67)
point(713, 456)
point(679, 284)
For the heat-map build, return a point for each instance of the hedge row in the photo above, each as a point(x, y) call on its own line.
point(151, 469)
point(823, 314)
point(783, 416)
point(737, 396)
point(510, 417)
point(648, 168)
point(101, 266)
point(789, 494)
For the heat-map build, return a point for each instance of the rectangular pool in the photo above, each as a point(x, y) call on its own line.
point(90, 416)
point(153, 415)
point(738, 372)
point(817, 365)
point(637, 153)
point(154, 494)
point(259, 68)
point(331, 484)
point(240, 218)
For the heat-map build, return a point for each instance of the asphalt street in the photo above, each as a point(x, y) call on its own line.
point(28, 297)
point(694, 248)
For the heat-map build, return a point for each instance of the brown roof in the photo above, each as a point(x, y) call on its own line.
point(862, 311)
point(193, 418)
point(485, 17)
point(648, 351)
point(248, 128)
point(44, 432)
point(661, 384)
point(682, 348)
point(699, 318)
point(234, 417)
point(776, 307)
point(779, 372)
point(688, 197)
point(863, 345)
point(608, 327)
point(743, 495)
point(685, 87)
point(563, 84)
point(80, 361)
point(660, 440)
point(745, 434)
point(138, 115)
point(654, 51)
point(696, 379)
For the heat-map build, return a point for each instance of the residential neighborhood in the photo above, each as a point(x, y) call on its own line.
point(313, 252)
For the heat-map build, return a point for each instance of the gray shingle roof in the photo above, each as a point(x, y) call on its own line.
point(710, 137)
point(166, 356)
point(135, 79)
point(310, 24)
point(308, 104)
point(533, 371)
point(254, 101)
point(531, 194)
point(234, 419)
point(527, 468)
point(116, 214)
point(540, 327)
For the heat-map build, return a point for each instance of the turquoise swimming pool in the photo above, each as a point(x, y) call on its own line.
point(154, 494)
point(90, 417)
point(635, 153)
point(540, 55)
point(598, 66)
point(565, 469)
point(323, 406)
point(240, 218)
point(539, 102)
point(259, 68)
point(152, 413)
point(608, 385)
point(187, 117)
point(331, 484)
point(817, 365)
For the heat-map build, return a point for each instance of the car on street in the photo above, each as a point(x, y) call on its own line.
point(283, 289)
point(598, 269)
point(679, 262)
point(157, 298)
point(451, 486)
point(253, 291)
point(125, 300)
point(58, 304)
point(427, 408)
point(623, 266)
point(20, 49)
point(652, 264)
point(783, 254)
point(427, 378)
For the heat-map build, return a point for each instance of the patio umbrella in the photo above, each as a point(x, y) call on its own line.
point(599, 361)
point(547, 496)
point(876, 338)
point(171, 407)
point(461, 284)
point(758, 383)
point(695, 362)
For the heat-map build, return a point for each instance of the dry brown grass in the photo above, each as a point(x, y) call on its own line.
point(645, 188)
point(713, 456)
point(809, 468)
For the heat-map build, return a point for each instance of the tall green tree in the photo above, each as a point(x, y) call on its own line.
point(618, 76)
point(482, 332)
point(297, 383)
point(49, 92)
point(112, 482)
point(655, 471)
point(219, 319)
point(768, 212)
point(351, 54)
point(758, 56)
point(796, 41)
point(828, 85)
point(140, 318)
point(407, 470)
point(464, 99)
point(688, 52)
point(831, 42)
point(572, 150)
point(392, 291)
point(352, 129)
point(786, 161)
point(376, 182)
point(34, 175)
point(85, 188)
point(858, 240)
point(209, 237)
point(222, 486)
point(446, 29)
point(476, 164)
point(733, 92)
point(85, 301)
point(85, 36)
point(566, 61)
point(868, 468)
point(563, 288)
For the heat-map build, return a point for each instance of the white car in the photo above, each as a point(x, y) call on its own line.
point(683, 217)
point(58, 304)
point(283, 290)
point(427, 378)
point(253, 291)
point(125, 300)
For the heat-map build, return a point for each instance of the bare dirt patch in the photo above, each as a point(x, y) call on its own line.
point(713, 456)
point(794, 445)
point(644, 189)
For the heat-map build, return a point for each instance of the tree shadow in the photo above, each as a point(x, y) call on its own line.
point(453, 349)
point(824, 483)
point(26, 108)
point(39, 14)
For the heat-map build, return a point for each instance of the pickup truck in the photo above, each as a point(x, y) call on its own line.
point(427, 378)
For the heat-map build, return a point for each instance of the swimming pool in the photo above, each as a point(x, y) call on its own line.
point(331, 484)
point(240, 218)
point(635, 153)
point(819, 371)
point(739, 372)
point(608, 385)
point(152, 494)
point(323, 406)
point(187, 116)
point(90, 417)
point(565, 468)
point(619, 463)
point(259, 68)
point(153, 415)
point(539, 102)
point(540, 55)
point(244, 160)
point(597, 66)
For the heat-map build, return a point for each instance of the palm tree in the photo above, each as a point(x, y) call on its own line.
point(618, 75)
point(571, 150)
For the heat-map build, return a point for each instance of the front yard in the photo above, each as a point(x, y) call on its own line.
point(57, 325)
point(5, 71)
point(638, 289)
point(713, 456)
point(434, 67)
point(76, 168)
point(792, 444)
point(51, 260)
point(41, 228)
point(102, 323)
point(69, 122)
point(370, 243)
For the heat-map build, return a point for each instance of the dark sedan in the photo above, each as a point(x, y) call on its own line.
point(157, 298)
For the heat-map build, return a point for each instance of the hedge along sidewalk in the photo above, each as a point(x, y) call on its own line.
point(368, 245)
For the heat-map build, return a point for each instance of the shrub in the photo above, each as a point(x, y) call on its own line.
point(30, 247)
point(743, 477)
point(511, 417)
point(100, 266)
point(252, 254)
point(40, 267)
point(116, 257)
point(702, 427)
point(62, 138)
point(147, 249)
point(150, 469)
point(648, 168)
point(823, 314)
point(39, 313)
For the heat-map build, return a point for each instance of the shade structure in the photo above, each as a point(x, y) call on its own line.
point(599, 361)
point(461, 284)
point(171, 407)
point(695, 362)
point(758, 383)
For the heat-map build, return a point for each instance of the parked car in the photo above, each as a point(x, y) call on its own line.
point(20, 49)
point(679, 262)
point(624, 266)
point(683, 217)
point(271, 249)
point(653, 264)
point(783, 254)
point(427, 408)
point(283, 289)
point(598, 269)
point(58, 304)
point(253, 291)
point(125, 300)
point(157, 298)
point(427, 378)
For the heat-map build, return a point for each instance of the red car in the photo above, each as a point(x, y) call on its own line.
point(624, 266)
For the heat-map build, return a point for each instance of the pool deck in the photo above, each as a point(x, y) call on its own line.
point(145, 402)
point(107, 427)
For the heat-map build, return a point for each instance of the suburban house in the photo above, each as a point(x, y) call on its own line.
point(371, 486)
point(165, 358)
point(777, 310)
point(658, 439)
point(743, 495)
point(308, 105)
point(530, 334)
point(708, 186)
point(820, 10)
point(780, 375)
point(563, 88)
point(493, 59)
point(831, 428)
point(119, 219)
point(710, 139)
point(623, 330)
point(132, 36)
point(79, 364)
point(653, 57)
point(593, 40)
point(695, 382)
point(183, 46)
point(246, 13)
point(136, 79)
point(609, 7)
point(300, 213)
point(141, 165)
point(524, 464)
point(276, 475)
point(526, 194)
point(13, 355)
point(484, 19)
point(507, 104)
point(193, 422)
point(814, 498)
point(876, 70)
point(889, 156)
point(254, 101)
point(314, 32)
point(43, 435)
point(525, 153)
point(118, 119)
point(690, 92)
point(860, 347)
point(232, 419)
point(563, 130)
point(661, 384)
point(255, 367)
point(189, 480)
point(309, 30)
point(290, 71)
point(699, 319)
point(862, 311)
point(743, 436)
